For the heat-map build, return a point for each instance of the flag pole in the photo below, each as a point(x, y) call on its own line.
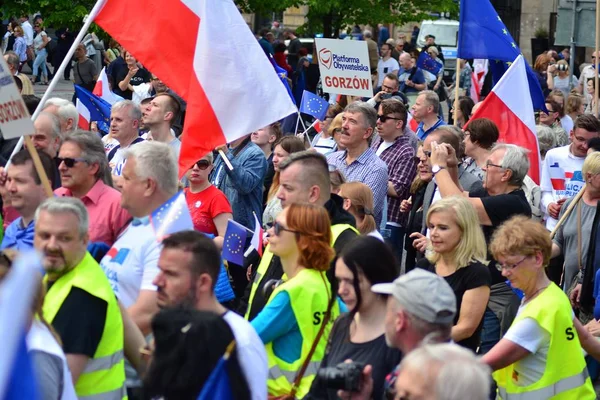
point(457, 89)
point(61, 69)
point(597, 61)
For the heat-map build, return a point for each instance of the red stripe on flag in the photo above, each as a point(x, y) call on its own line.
point(568, 175)
point(558, 184)
point(512, 130)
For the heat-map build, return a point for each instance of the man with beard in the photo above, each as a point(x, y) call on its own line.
point(80, 303)
point(189, 265)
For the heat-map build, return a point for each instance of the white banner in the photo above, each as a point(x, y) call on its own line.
point(344, 67)
point(14, 117)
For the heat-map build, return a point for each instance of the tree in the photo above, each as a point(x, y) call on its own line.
point(331, 16)
point(56, 13)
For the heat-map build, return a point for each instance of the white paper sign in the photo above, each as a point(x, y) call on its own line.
point(14, 117)
point(344, 67)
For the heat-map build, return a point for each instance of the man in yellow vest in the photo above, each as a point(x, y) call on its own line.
point(303, 178)
point(80, 303)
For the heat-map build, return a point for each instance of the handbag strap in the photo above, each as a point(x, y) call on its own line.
point(579, 250)
point(302, 370)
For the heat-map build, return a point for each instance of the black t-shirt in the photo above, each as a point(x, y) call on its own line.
point(470, 277)
point(80, 322)
point(142, 76)
point(500, 209)
point(382, 358)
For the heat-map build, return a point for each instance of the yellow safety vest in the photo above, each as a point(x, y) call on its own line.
point(309, 293)
point(104, 375)
point(566, 375)
point(336, 231)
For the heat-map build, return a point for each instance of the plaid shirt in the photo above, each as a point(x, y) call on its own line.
point(400, 160)
point(368, 169)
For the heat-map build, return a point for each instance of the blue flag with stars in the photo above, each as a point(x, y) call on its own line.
point(234, 242)
point(482, 34)
point(99, 108)
point(314, 105)
point(283, 77)
point(428, 63)
point(173, 216)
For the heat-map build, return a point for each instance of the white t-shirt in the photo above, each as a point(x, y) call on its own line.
point(251, 354)
point(385, 67)
point(528, 334)
point(383, 147)
point(109, 143)
point(131, 264)
point(567, 123)
point(561, 178)
point(28, 32)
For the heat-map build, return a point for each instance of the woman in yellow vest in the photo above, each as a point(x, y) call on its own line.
point(540, 356)
point(292, 323)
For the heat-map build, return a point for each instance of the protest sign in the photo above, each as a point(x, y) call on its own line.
point(344, 67)
point(14, 117)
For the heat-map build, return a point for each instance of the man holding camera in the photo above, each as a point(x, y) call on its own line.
point(387, 90)
point(420, 309)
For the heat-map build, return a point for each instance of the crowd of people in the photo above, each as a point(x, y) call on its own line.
point(398, 263)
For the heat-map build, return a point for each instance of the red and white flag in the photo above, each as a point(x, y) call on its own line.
point(84, 115)
point(509, 105)
point(205, 52)
point(102, 89)
point(480, 70)
point(257, 237)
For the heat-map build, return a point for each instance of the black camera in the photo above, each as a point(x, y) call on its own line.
point(561, 67)
point(344, 376)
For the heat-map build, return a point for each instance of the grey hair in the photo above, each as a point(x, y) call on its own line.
point(209, 157)
point(54, 121)
point(12, 59)
point(546, 138)
point(459, 134)
point(92, 151)
point(156, 161)
point(135, 112)
point(432, 99)
point(561, 136)
point(448, 362)
point(66, 109)
point(60, 205)
point(368, 112)
point(515, 158)
point(367, 34)
point(441, 332)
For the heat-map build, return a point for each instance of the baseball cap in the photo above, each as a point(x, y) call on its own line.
point(423, 294)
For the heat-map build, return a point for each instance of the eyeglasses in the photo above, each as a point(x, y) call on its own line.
point(69, 162)
point(489, 164)
point(510, 267)
point(278, 228)
point(427, 153)
point(384, 118)
point(202, 164)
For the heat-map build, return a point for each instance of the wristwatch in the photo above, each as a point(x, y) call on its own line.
point(436, 168)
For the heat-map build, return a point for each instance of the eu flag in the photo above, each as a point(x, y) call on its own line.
point(218, 385)
point(428, 63)
point(173, 216)
point(482, 34)
point(99, 108)
point(314, 105)
point(283, 77)
point(234, 242)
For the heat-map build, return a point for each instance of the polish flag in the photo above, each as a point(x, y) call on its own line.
point(480, 69)
point(509, 105)
point(84, 115)
point(208, 56)
point(557, 177)
point(257, 237)
point(102, 89)
point(412, 123)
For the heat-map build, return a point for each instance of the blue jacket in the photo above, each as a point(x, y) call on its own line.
point(244, 185)
point(18, 237)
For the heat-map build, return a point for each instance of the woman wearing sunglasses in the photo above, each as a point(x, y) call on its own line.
point(295, 323)
point(209, 206)
point(456, 252)
point(540, 354)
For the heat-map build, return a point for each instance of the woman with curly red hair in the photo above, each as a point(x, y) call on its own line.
point(295, 323)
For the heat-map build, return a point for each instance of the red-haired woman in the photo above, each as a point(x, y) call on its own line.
point(300, 311)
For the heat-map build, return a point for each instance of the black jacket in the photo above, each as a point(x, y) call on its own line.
point(338, 215)
point(589, 272)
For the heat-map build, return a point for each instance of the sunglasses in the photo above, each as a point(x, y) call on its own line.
point(278, 228)
point(427, 153)
point(69, 162)
point(384, 118)
point(202, 164)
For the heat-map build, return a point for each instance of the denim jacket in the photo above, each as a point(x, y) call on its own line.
point(244, 185)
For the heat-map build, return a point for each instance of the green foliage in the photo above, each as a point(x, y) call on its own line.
point(330, 16)
point(56, 13)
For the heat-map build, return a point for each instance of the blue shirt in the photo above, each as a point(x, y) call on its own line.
point(17, 236)
point(403, 75)
point(422, 133)
point(277, 324)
